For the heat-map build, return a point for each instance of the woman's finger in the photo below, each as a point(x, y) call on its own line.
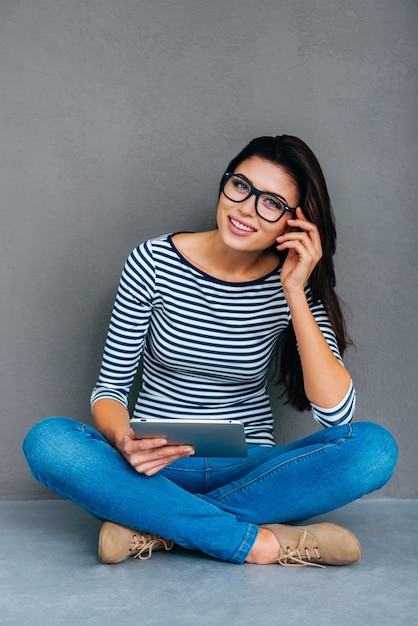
point(152, 466)
point(300, 221)
point(301, 242)
point(144, 456)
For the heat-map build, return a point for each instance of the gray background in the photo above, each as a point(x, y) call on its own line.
point(117, 118)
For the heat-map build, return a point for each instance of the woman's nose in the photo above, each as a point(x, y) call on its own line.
point(248, 207)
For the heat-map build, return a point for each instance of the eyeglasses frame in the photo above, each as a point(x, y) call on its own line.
point(257, 193)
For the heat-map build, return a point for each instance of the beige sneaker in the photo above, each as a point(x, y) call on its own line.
point(316, 544)
point(117, 543)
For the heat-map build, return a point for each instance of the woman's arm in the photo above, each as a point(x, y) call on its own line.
point(326, 380)
point(128, 326)
point(111, 419)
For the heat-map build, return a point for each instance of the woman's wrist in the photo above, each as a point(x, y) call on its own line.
point(112, 420)
point(295, 296)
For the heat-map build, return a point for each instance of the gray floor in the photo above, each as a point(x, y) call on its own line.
point(50, 575)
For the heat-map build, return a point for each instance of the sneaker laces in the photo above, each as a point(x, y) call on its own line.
point(297, 558)
point(144, 544)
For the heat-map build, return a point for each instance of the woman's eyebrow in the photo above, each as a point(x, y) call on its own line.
point(271, 193)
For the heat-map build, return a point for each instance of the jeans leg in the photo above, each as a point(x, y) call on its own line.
point(78, 463)
point(313, 476)
point(283, 484)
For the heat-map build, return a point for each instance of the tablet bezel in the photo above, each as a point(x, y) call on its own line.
point(221, 438)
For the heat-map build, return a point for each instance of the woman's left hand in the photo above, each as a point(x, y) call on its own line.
point(304, 252)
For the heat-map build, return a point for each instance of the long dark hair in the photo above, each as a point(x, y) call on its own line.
point(300, 163)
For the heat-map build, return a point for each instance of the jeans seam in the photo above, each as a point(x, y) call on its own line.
point(283, 464)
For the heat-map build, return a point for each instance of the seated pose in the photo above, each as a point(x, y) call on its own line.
point(207, 311)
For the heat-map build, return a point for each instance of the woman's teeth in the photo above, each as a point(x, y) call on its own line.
point(241, 226)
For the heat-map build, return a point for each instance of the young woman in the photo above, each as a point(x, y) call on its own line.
point(207, 311)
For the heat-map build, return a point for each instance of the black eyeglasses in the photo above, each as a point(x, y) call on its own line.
point(268, 206)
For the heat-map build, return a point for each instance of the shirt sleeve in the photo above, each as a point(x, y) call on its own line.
point(343, 412)
point(128, 327)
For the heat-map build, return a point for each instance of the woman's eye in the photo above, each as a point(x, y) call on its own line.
point(241, 186)
point(272, 203)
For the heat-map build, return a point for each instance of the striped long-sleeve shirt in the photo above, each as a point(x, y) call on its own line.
point(206, 343)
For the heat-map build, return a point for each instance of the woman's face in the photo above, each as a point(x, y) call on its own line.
point(240, 227)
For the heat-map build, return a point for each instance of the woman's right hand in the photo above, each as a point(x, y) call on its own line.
point(149, 456)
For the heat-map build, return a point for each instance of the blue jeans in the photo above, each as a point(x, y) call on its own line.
point(212, 504)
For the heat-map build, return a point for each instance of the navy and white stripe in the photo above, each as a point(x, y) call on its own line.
point(206, 343)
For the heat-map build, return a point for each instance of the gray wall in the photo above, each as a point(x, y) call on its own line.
point(117, 118)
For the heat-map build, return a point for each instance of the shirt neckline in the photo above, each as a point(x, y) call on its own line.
point(213, 278)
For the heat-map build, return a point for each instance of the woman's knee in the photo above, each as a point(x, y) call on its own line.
point(43, 440)
point(379, 452)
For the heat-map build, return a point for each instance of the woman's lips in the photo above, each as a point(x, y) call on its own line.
point(240, 228)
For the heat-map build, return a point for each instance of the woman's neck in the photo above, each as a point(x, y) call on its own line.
point(208, 252)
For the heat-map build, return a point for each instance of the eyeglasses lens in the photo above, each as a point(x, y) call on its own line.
point(236, 189)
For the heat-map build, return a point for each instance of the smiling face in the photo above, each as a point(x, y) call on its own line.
point(240, 227)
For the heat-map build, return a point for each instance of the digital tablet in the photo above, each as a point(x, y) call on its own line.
point(207, 437)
